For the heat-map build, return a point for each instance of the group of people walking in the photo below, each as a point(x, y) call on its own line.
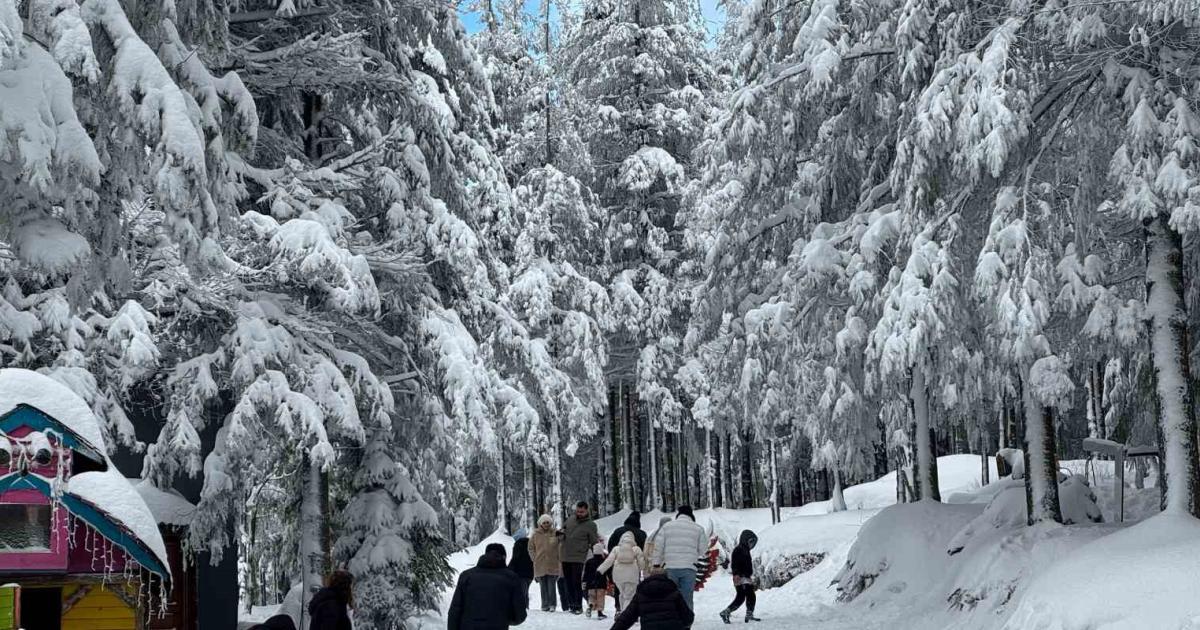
point(652, 578)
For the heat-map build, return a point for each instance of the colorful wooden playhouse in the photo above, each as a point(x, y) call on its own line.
point(79, 548)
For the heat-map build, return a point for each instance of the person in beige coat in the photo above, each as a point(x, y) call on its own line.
point(651, 543)
point(547, 566)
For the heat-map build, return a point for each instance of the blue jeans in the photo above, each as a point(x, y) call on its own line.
point(685, 579)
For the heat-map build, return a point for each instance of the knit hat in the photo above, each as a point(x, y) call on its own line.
point(686, 510)
point(521, 534)
point(599, 549)
point(545, 520)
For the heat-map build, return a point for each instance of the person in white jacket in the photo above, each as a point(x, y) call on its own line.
point(626, 562)
point(677, 546)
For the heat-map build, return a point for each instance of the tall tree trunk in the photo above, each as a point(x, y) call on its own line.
point(546, 53)
point(313, 548)
point(1169, 350)
point(655, 494)
point(558, 510)
point(747, 472)
point(501, 494)
point(708, 469)
point(1041, 463)
point(615, 448)
point(924, 475)
point(776, 512)
point(727, 476)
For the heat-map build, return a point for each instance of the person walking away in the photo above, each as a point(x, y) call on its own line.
point(626, 562)
point(522, 563)
point(577, 537)
point(658, 605)
point(489, 596)
point(330, 606)
point(547, 565)
point(651, 543)
point(596, 581)
point(633, 524)
point(678, 546)
point(742, 568)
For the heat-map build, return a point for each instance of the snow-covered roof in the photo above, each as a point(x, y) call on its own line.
point(168, 506)
point(110, 493)
point(104, 499)
point(25, 387)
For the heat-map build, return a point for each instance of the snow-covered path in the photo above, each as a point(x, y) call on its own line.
point(780, 609)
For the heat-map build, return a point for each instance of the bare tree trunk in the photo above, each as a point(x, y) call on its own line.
point(708, 469)
point(837, 499)
point(1041, 463)
point(924, 476)
point(1169, 350)
point(313, 550)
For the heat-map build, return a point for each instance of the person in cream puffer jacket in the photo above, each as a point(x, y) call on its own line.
point(627, 562)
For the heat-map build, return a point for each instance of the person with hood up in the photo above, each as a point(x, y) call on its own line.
point(633, 524)
point(489, 596)
point(678, 545)
point(547, 565)
point(577, 537)
point(742, 568)
point(521, 563)
point(595, 581)
point(626, 562)
point(658, 605)
point(329, 608)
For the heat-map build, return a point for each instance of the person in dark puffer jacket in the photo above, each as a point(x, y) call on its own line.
point(742, 568)
point(489, 596)
point(329, 608)
point(658, 605)
point(278, 622)
point(596, 582)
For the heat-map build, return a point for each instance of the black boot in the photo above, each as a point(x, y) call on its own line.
point(725, 615)
point(750, 616)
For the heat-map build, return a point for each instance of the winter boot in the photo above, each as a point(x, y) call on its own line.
point(589, 611)
point(601, 616)
point(750, 616)
point(725, 615)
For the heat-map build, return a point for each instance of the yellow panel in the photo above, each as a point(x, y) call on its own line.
point(100, 610)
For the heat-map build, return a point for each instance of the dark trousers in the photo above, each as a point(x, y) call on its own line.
point(548, 584)
point(745, 593)
point(526, 582)
point(573, 576)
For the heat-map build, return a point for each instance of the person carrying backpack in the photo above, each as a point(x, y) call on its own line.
point(626, 562)
point(742, 568)
point(595, 581)
point(658, 605)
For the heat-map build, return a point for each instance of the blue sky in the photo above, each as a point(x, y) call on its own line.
point(714, 15)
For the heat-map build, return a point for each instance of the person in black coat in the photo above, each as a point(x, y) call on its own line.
point(522, 562)
point(633, 523)
point(742, 568)
point(658, 605)
point(489, 596)
point(278, 622)
point(595, 582)
point(329, 608)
